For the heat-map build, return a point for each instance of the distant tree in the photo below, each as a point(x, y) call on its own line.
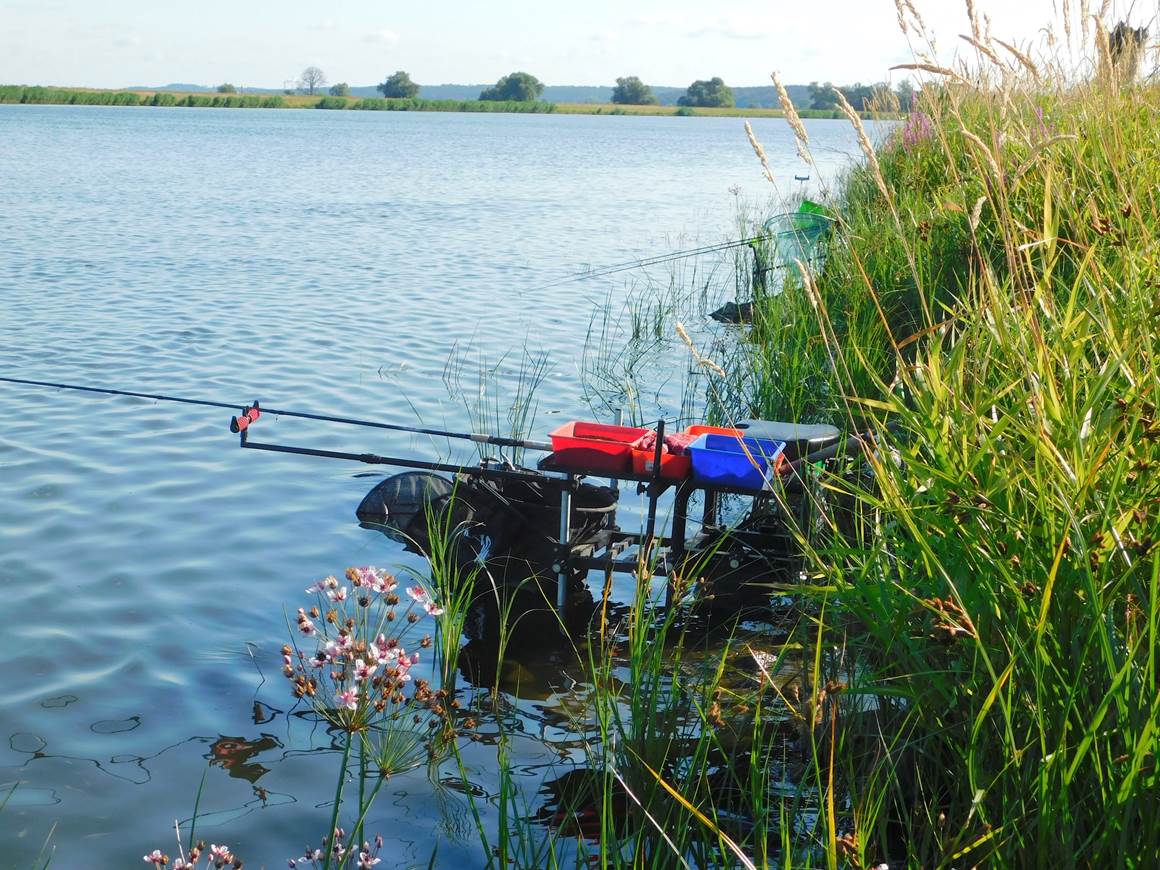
point(312, 79)
point(520, 87)
point(862, 98)
point(708, 93)
point(822, 96)
point(858, 95)
point(227, 88)
point(905, 92)
point(631, 91)
point(340, 89)
point(399, 86)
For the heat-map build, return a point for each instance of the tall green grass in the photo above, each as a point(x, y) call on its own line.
point(990, 310)
point(985, 620)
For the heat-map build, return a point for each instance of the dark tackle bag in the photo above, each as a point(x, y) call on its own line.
point(509, 524)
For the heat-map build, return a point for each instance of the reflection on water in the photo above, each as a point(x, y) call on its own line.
point(148, 564)
point(233, 755)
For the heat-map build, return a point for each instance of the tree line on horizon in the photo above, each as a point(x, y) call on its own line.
point(522, 86)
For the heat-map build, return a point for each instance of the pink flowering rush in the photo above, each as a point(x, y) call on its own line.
point(423, 597)
point(363, 671)
point(304, 624)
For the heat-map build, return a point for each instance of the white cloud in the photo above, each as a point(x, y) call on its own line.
point(662, 21)
point(604, 37)
point(729, 30)
point(695, 27)
point(328, 24)
point(385, 37)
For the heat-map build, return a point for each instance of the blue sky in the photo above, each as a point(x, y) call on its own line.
point(262, 43)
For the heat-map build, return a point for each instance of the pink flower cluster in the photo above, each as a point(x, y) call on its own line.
point(918, 129)
point(383, 652)
point(423, 598)
point(217, 857)
point(330, 587)
point(368, 855)
point(364, 674)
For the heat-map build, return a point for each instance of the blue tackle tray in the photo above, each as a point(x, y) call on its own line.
point(726, 460)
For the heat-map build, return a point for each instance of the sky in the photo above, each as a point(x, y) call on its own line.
point(263, 43)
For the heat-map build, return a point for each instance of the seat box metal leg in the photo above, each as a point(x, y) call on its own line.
point(565, 535)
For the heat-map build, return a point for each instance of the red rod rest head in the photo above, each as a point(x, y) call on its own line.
point(248, 416)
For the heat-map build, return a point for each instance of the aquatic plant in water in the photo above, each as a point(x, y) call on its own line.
point(216, 856)
point(352, 854)
point(358, 678)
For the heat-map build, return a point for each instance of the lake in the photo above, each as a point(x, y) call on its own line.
point(360, 263)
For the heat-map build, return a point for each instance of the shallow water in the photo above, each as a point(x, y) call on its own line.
point(319, 261)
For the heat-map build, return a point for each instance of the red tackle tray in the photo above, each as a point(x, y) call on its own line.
point(673, 465)
point(594, 447)
point(713, 430)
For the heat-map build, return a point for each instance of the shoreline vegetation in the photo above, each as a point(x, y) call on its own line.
point(38, 95)
point(965, 673)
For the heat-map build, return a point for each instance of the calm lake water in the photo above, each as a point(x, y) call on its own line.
point(319, 261)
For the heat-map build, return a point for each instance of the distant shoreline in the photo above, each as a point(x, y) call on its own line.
point(36, 95)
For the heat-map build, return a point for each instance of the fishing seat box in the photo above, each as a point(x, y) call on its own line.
point(801, 439)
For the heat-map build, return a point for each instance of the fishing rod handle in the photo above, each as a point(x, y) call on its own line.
point(249, 415)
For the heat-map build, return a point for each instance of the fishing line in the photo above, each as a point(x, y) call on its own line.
point(647, 261)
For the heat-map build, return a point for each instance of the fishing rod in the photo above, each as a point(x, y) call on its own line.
point(249, 414)
point(484, 470)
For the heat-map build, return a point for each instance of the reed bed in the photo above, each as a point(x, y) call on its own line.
point(416, 104)
point(87, 97)
point(80, 97)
